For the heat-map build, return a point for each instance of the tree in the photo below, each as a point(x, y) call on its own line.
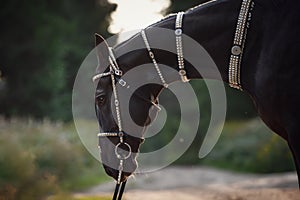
point(43, 43)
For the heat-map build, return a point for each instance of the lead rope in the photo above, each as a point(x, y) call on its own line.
point(119, 191)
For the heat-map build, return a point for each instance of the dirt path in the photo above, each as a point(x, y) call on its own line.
point(197, 183)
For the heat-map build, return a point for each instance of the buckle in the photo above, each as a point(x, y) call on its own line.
point(122, 82)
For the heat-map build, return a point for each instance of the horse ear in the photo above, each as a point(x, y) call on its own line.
point(102, 50)
point(99, 39)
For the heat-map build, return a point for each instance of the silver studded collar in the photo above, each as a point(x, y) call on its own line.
point(243, 23)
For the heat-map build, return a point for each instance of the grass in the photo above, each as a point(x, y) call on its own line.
point(70, 197)
point(42, 158)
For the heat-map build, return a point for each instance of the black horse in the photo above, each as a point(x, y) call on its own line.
point(269, 69)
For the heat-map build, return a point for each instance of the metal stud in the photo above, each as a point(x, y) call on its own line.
point(236, 50)
point(178, 31)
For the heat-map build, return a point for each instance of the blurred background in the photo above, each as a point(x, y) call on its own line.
point(43, 43)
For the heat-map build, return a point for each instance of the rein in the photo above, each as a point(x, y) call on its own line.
point(116, 73)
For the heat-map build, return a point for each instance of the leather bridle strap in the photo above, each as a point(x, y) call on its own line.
point(179, 50)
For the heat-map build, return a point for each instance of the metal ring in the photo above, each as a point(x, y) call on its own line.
point(123, 157)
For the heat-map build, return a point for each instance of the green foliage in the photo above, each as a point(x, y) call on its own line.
point(251, 147)
point(42, 45)
point(38, 159)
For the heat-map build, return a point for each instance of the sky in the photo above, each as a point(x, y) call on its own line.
point(136, 14)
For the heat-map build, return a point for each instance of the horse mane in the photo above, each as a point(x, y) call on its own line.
point(167, 17)
point(188, 10)
point(154, 24)
point(200, 5)
point(163, 19)
point(265, 3)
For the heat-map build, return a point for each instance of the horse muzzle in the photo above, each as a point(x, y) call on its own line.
point(129, 168)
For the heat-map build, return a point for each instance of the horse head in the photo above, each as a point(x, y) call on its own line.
point(140, 103)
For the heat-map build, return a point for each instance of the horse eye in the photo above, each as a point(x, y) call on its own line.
point(100, 100)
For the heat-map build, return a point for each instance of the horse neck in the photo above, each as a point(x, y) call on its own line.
point(212, 25)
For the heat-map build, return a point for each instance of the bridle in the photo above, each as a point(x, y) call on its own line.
point(116, 73)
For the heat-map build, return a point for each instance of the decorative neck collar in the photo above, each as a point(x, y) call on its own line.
point(243, 23)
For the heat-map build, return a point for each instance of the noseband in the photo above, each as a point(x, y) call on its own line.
point(115, 72)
